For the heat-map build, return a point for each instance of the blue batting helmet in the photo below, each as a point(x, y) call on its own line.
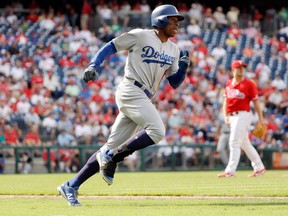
point(159, 16)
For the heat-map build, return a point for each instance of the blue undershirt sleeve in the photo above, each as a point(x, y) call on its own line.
point(176, 79)
point(107, 50)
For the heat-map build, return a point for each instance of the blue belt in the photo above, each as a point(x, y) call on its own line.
point(146, 91)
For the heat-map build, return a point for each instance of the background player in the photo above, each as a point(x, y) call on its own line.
point(152, 56)
point(236, 109)
point(223, 142)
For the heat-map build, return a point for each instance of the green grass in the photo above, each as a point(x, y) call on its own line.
point(150, 193)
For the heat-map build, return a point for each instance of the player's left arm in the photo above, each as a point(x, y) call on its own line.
point(177, 78)
point(255, 100)
point(258, 109)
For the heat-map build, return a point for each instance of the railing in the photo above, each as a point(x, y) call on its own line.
point(151, 158)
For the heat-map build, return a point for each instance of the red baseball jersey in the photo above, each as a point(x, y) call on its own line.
point(239, 95)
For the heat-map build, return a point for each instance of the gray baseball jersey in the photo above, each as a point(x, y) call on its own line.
point(149, 60)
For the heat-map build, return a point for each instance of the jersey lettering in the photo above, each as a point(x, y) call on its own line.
point(151, 56)
point(235, 93)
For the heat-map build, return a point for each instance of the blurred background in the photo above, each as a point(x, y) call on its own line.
point(51, 121)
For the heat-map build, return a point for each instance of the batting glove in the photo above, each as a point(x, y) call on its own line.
point(90, 74)
point(184, 60)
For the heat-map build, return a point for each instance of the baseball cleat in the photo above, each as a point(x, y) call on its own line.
point(69, 193)
point(108, 172)
point(226, 175)
point(258, 173)
point(107, 169)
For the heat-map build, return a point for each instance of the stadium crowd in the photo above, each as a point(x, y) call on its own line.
point(43, 100)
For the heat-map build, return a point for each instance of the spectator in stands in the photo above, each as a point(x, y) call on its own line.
point(83, 132)
point(231, 41)
point(233, 15)
point(12, 134)
point(285, 121)
point(67, 157)
point(278, 83)
point(11, 17)
point(49, 125)
point(51, 82)
point(250, 31)
point(248, 51)
point(86, 11)
point(220, 18)
point(193, 29)
point(234, 30)
point(105, 13)
point(17, 72)
point(263, 72)
point(53, 160)
point(145, 17)
point(195, 12)
point(47, 22)
point(125, 8)
point(209, 21)
point(5, 68)
point(25, 163)
point(32, 138)
point(71, 14)
point(32, 16)
point(64, 124)
point(274, 101)
point(218, 52)
point(282, 17)
point(47, 63)
point(23, 106)
point(2, 136)
point(5, 109)
point(132, 162)
point(2, 163)
point(32, 118)
point(257, 18)
point(72, 89)
point(14, 48)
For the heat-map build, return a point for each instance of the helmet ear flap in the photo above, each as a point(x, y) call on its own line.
point(163, 22)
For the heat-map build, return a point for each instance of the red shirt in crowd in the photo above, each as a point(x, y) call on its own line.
point(32, 136)
point(11, 137)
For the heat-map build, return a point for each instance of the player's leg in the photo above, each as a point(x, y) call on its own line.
point(122, 129)
point(254, 157)
point(153, 131)
point(236, 136)
point(69, 189)
point(249, 149)
point(144, 114)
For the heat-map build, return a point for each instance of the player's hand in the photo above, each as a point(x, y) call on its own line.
point(184, 60)
point(226, 120)
point(90, 74)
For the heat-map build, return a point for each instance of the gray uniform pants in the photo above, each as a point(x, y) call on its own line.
point(135, 111)
point(223, 146)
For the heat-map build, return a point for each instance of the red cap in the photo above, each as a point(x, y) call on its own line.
point(238, 63)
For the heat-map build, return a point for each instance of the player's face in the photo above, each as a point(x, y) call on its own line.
point(172, 27)
point(239, 72)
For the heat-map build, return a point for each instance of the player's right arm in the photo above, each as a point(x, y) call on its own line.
point(90, 73)
point(225, 114)
point(177, 78)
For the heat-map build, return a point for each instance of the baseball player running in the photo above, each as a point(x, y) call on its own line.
point(236, 107)
point(152, 56)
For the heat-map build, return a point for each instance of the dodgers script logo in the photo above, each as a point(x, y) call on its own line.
point(152, 56)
